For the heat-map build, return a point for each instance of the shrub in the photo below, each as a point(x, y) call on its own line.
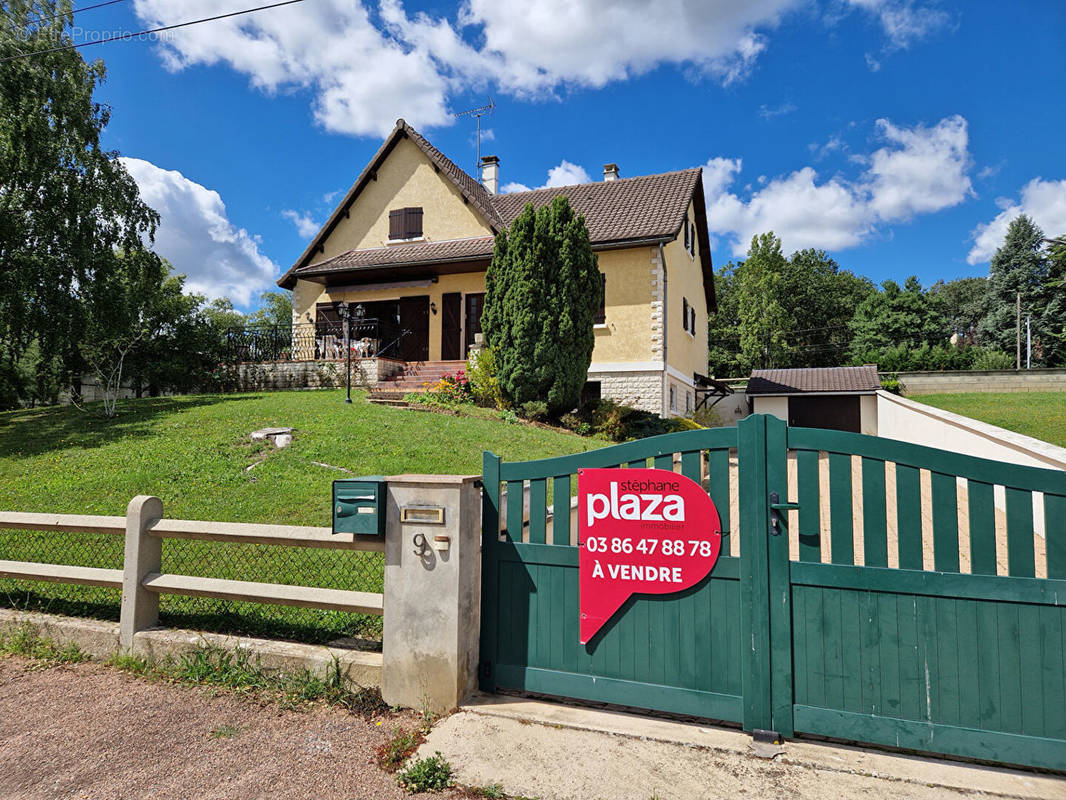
point(708, 417)
point(536, 410)
point(890, 383)
point(431, 774)
point(991, 358)
point(617, 422)
point(484, 381)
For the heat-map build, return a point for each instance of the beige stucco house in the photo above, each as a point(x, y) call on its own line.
point(412, 239)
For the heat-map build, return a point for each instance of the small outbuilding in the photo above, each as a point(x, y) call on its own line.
point(838, 398)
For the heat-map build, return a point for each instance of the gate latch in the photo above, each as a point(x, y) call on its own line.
point(776, 507)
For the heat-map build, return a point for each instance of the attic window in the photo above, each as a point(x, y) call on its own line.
point(690, 237)
point(405, 223)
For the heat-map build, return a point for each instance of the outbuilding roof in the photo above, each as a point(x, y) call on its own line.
point(820, 380)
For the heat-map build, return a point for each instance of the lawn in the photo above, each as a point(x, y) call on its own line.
point(194, 453)
point(1041, 415)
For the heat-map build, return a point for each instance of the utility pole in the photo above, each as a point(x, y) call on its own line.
point(1018, 331)
point(1028, 343)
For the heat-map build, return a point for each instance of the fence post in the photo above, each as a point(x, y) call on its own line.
point(143, 555)
point(432, 591)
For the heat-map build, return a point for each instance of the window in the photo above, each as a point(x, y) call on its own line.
point(688, 402)
point(690, 238)
point(692, 319)
point(405, 223)
point(673, 399)
point(685, 307)
point(601, 312)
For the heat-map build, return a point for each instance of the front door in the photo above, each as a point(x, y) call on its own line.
point(451, 341)
point(414, 317)
point(475, 305)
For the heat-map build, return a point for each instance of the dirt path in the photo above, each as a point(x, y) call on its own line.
point(91, 732)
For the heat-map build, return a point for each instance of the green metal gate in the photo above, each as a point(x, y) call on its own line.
point(906, 601)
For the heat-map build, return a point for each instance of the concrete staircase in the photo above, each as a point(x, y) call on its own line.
point(416, 376)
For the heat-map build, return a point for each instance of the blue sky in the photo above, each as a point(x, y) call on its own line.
point(899, 135)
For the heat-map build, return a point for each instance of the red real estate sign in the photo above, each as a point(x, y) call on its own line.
point(642, 531)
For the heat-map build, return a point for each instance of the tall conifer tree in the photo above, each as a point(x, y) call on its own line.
point(543, 289)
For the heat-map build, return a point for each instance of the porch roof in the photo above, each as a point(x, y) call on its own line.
point(478, 248)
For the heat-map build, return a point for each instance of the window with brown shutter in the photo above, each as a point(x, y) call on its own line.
point(405, 223)
point(684, 312)
point(601, 312)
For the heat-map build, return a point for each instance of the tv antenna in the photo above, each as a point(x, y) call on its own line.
point(478, 113)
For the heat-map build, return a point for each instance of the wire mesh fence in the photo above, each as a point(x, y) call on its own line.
point(293, 566)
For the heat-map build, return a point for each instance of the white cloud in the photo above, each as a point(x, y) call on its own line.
point(903, 21)
point(923, 170)
point(565, 174)
point(362, 78)
point(197, 238)
point(1044, 201)
point(305, 226)
point(766, 112)
point(920, 170)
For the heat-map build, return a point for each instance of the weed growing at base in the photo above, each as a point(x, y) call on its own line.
point(26, 641)
point(240, 671)
point(430, 774)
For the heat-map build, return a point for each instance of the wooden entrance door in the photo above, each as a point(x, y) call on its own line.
point(475, 305)
point(414, 317)
point(451, 333)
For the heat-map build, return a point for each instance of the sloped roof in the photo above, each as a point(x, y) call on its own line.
point(626, 210)
point(479, 247)
point(822, 380)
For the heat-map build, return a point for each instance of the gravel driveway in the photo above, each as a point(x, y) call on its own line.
point(88, 731)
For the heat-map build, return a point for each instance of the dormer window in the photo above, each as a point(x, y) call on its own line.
point(405, 223)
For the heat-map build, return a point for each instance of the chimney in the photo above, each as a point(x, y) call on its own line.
point(610, 172)
point(490, 174)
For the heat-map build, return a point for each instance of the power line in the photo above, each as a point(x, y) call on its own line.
point(133, 35)
point(75, 11)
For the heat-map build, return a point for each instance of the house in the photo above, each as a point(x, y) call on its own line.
point(838, 398)
point(409, 245)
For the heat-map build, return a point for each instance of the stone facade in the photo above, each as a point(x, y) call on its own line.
point(643, 390)
point(313, 374)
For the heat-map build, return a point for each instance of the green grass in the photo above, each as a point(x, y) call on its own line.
point(239, 672)
point(194, 453)
point(1041, 415)
point(25, 640)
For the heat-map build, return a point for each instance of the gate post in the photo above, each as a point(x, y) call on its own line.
point(432, 591)
point(766, 621)
point(754, 583)
point(779, 594)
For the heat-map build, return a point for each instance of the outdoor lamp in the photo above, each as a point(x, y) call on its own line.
point(342, 307)
point(360, 311)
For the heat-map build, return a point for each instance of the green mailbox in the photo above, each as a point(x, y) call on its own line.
point(359, 505)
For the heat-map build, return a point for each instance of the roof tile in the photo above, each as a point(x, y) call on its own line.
point(814, 379)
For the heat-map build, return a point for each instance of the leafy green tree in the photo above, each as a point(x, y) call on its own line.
point(543, 289)
point(71, 218)
point(1017, 268)
point(1053, 305)
point(723, 326)
point(820, 298)
point(903, 328)
point(965, 303)
point(764, 321)
point(275, 308)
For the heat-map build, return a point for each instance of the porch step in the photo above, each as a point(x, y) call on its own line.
point(383, 401)
point(416, 376)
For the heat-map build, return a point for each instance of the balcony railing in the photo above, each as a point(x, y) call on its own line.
point(314, 341)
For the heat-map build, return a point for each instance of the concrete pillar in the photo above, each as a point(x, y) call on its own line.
point(432, 590)
point(140, 608)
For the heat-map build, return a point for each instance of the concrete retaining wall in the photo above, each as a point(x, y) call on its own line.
point(1004, 380)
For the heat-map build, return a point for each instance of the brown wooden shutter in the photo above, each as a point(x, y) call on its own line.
point(396, 224)
point(412, 225)
point(686, 234)
point(684, 312)
point(601, 312)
